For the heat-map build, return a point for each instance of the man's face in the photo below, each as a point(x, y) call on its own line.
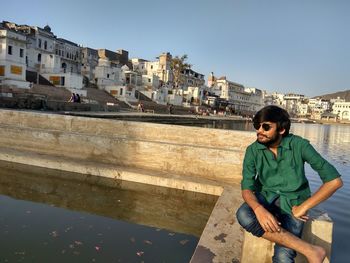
point(267, 133)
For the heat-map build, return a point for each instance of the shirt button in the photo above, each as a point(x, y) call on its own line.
point(278, 192)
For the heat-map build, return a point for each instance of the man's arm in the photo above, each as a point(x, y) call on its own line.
point(267, 221)
point(322, 194)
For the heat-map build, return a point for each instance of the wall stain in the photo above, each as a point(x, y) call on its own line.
point(221, 237)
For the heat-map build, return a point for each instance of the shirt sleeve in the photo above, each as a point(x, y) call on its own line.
point(249, 171)
point(326, 171)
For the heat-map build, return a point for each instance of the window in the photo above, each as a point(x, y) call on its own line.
point(39, 57)
point(9, 50)
point(45, 44)
point(39, 44)
point(107, 76)
point(21, 52)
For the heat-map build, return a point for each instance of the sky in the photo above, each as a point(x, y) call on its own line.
point(299, 46)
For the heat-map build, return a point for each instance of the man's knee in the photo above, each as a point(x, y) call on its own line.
point(247, 219)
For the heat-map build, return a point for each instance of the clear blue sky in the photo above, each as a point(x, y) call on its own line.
point(300, 46)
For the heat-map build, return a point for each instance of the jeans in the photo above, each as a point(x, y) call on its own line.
point(247, 219)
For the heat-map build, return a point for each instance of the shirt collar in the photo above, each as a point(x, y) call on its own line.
point(285, 143)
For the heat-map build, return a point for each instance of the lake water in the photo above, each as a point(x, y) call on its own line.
point(46, 217)
point(333, 142)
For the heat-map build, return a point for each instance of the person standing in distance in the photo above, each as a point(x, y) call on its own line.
point(275, 190)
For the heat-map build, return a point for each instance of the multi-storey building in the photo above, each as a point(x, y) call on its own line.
point(89, 61)
point(107, 74)
point(12, 57)
point(192, 78)
point(64, 68)
point(291, 102)
point(240, 99)
point(161, 68)
point(235, 94)
point(256, 100)
point(56, 59)
point(342, 109)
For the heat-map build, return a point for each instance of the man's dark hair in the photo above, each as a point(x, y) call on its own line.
point(274, 114)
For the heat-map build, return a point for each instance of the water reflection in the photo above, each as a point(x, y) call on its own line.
point(172, 209)
point(51, 216)
point(331, 140)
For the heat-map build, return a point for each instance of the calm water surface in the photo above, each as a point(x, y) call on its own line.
point(44, 217)
point(333, 142)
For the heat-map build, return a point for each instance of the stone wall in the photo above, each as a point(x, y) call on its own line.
point(207, 153)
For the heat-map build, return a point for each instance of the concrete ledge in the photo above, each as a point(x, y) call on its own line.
point(317, 231)
point(221, 240)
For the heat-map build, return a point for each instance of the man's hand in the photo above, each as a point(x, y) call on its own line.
point(267, 221)
point(300, 212)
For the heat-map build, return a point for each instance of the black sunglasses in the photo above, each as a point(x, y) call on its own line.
point(265, 126)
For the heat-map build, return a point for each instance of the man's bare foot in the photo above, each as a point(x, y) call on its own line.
point(317, 255)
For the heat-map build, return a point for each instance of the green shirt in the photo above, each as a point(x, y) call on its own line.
point(284, 176)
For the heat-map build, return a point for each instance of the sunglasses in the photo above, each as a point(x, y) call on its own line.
point(265, 126)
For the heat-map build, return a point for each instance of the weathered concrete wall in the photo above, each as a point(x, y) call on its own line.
point(212, 154)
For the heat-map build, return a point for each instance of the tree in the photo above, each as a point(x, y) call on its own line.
point(178, 65)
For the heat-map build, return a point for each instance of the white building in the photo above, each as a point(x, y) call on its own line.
point(12, 58)
point(106, 74)
point(239, 98)
point(342, 109)
point(89, 61)
point(56, 59)
point(235, 94)
point(161, 68)
point(63, 68)
point(256, 99)
point(195, 95)
point(41, 51)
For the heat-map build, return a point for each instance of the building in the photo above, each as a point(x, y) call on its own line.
point(56, 59)
point(192, 78)
point(13, 51)
point(89, 61)
point(161, 68)
point(239, 99)
point(107, 73)
point(256, 99)
point(64, 68)
point(235, 94)
point(117, 59)
point(342, 109)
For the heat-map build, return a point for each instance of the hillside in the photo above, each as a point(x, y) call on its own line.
point(341, 94)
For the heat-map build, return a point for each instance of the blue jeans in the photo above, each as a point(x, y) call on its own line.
point(247, 219)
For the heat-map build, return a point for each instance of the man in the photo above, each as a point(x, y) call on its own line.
point(275, 190)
